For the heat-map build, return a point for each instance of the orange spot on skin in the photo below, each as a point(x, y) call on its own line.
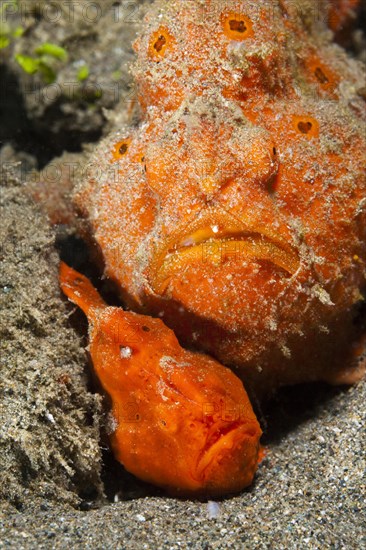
point(120, 149)
point(321, 74)
point(184, 422)
point(237, 26)
point(161, 41)
point(306, 126)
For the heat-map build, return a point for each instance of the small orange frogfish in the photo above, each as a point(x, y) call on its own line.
point(182, 421)
point(235, 209)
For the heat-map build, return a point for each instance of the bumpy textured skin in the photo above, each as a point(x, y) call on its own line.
point(180, 419)
point(236, 210)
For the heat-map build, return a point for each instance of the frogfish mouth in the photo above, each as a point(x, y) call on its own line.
point(215, 239)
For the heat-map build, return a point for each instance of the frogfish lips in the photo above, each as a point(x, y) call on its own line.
point(223, 461)
point(215, 239)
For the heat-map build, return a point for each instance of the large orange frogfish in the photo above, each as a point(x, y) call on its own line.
point(235, 209)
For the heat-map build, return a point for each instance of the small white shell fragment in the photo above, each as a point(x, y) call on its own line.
point(50, 417)
point(125, 352)
point(213, 509)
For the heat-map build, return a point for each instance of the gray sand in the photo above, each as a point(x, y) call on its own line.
point(50, 426)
